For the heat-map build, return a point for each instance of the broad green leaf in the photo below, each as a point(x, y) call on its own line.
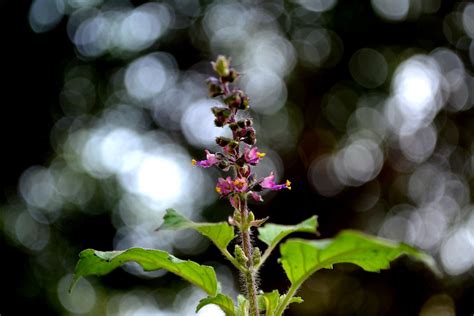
point(272, 234)
point(242, 308)
point(221, 234)
point(301, 258)
point(223, 301)
point(268, 302)
point(93, 262)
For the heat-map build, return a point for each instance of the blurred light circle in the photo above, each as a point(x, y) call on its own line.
point(420, 145)
point(91, 36)
point(37, 186)
point(400, 226)
point(317, 5)
point(438, 305)
point(81, 300)
point(45, 14)
point(318, 47)
point(468, 19)
point(391, 10)
point(454, 73)
point(211, 310)
point(313, 46)
point(270, 52)
point(453, 27)
point(416, 87)
point(358, 162)
point(339, 104)
point(146, 77)
point(322, 177)
point(142, 26)
point(159, 178)
point(118, 150)
point(434, 225)
point(266, 90)
point(198, 125)
point(457, 252)
point(30, 233)
point(368, 67)
point(368, 118)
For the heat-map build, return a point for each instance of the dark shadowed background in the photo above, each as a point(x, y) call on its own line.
point(366, 106)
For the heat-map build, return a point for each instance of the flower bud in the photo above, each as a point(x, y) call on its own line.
point(214, 87)
point(237, 217)
point(223, 141)
point(231, 146)
point(221, 66)
point(240, 255)
point(238, 99)
point(245, 170)
point(249, 137)
point(256, 256)
point(222, 115)
point(233, 75)
point(245, 123)
point(244, 104)
point(251, 217)
point(223, 165)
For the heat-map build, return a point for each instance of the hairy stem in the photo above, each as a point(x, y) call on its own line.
point(249, 274)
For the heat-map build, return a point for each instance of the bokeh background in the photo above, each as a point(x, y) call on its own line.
point(366, 106)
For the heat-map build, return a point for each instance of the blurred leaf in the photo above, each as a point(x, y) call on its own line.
point(220, 233)
point(223, 301)
point(93, 262)
point(242, 306)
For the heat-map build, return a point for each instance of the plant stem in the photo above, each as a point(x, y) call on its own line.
point(249, 274)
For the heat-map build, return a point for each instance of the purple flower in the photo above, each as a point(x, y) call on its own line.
point(269, 183)
point(210, 160)
point(252, 155)
point(257, 197)
point(224, 186)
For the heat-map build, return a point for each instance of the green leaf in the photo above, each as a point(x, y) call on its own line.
point(301, 258)
point(268, 302)
point(223, 301)
point(242, 308)
point(294, 299)
point(221, 234)
point(93, 262)
point(272, 234)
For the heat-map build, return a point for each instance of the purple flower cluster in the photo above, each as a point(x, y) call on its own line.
point(239, 152)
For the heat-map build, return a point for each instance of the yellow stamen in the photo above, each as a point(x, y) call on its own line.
point(288, 184)
point(261, 155)
point(193, 162)
point(218, 190)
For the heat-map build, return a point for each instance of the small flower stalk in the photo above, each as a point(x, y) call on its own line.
point(239, 154)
